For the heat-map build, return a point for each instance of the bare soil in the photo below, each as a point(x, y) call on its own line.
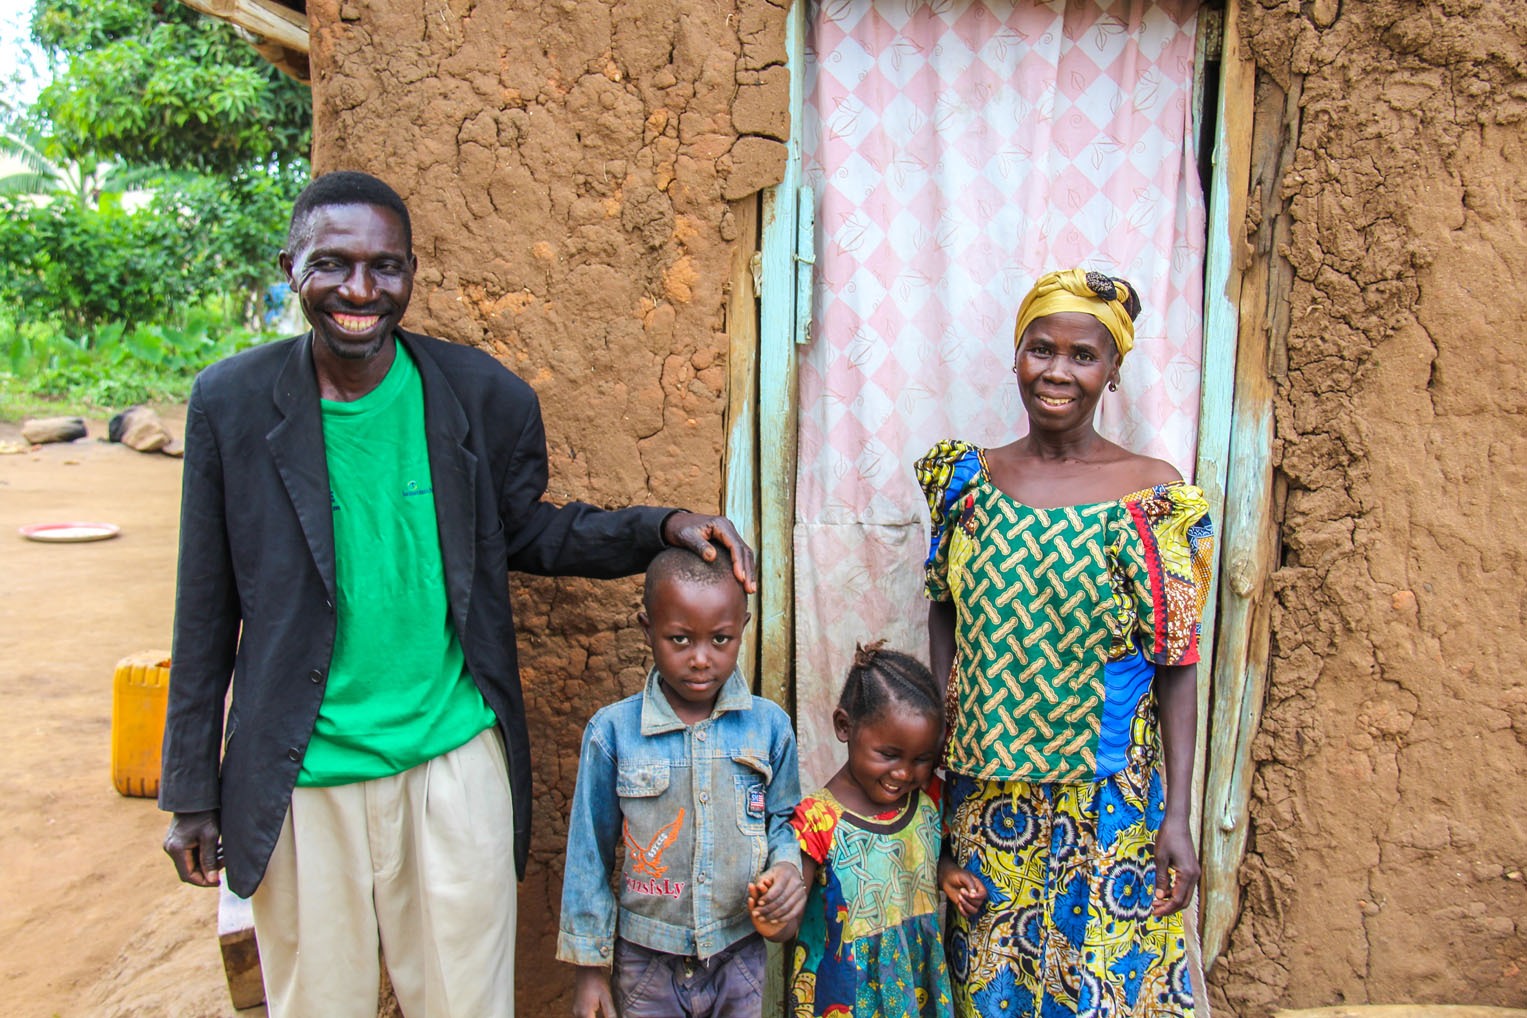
point(93, 921)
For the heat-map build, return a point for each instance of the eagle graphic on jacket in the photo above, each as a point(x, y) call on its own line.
point(647, 859)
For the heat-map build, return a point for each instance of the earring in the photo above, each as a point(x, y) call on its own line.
point(1113, 386)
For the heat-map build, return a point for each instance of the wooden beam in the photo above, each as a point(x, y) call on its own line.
point(1251, 548)
point(1224, 260)
point(777, 416)
point(739, 468)
point(288, 61)
point(264, 18)
point(777, 395)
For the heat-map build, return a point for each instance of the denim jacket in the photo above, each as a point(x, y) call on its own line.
point(690, 813)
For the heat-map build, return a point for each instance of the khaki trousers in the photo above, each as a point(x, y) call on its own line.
point(418, 864)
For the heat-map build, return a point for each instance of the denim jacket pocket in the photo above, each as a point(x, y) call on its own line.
point(641, 781)
point(753, 780)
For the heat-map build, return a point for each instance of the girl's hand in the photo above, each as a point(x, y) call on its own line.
point(769, 929)
point(963, 887)
point(1176, 869)
point(591, 994)
point(776, 900)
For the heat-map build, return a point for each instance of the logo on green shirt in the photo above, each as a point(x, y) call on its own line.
point(412, 488)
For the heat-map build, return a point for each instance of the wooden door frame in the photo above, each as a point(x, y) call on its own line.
point(1235, 467)
point(1233, 464)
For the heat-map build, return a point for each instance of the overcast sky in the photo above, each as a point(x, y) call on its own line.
point(15, 49)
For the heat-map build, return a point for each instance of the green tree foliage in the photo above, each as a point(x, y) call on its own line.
point(24, 138)
point(153, 82)
point(199, 237)
point(83, 265)
point(153, 97)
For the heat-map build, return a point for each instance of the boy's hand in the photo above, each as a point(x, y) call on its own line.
point(591, 994)
point(767, 928)
point(963, 887)
point(1176, 869)
point(776, 900)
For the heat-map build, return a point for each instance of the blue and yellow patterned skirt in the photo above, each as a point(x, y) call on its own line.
point(1070, 874)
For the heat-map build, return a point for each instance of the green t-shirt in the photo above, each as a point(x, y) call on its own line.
point(398, 691)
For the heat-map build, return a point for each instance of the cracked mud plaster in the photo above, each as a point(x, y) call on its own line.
point(571, 169)
point(1389, 811)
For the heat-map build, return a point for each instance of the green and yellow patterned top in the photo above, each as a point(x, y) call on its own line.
point(1061, 617)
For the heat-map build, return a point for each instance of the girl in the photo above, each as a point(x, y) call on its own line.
point(869, 941)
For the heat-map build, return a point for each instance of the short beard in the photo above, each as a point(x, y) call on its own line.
point(350, 353)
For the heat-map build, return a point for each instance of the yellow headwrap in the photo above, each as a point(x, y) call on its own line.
point(1071, 290)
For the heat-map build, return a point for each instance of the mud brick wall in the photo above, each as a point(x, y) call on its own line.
point(571, 169)
point(1389, 819)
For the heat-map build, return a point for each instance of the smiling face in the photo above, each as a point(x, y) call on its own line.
point(695, 631)
point(1063, 364)
point(354, 274)
point(890, 753)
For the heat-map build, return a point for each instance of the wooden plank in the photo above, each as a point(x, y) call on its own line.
point(1224, 259)
point(1404, 1011)
point(777, 395)
point(739, 468)
point(264, 18)
point(1251, 533)
point(777, 430)
point(241, 952)
point(805, 260)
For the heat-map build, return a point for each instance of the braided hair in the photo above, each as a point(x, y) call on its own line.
point(880, 677)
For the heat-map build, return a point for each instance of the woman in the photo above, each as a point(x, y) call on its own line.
point(1067, 577)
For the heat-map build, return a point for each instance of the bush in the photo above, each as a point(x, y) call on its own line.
point(115, 365)
point(83, 266)
point(198, 237)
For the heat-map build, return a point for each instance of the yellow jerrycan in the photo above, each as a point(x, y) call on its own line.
point(138, 694)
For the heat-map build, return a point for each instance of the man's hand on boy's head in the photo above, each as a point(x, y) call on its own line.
point(591, 993)
point(696, 531)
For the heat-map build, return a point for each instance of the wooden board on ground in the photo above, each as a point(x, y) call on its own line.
point(241, 952)
point(1403, 1011)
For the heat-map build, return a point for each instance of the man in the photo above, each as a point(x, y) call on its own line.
point(353, 502)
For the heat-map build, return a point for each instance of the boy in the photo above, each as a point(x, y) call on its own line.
point(689, 787)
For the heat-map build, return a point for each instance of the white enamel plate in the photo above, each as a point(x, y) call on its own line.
point(68, 533)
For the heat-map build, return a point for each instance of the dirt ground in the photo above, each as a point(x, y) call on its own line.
point(93, 921)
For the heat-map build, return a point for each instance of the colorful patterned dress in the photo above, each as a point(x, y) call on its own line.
point(1053, 797)
point(869, 941)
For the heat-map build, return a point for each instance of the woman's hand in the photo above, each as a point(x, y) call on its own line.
point(1176, 860)
point(964, 888)
point(1176, 869)
point(591, 993)
point(776, 900)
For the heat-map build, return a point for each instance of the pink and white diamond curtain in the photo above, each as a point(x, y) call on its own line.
point(958, 150)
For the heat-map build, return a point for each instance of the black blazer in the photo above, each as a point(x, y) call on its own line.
point(255, 596)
